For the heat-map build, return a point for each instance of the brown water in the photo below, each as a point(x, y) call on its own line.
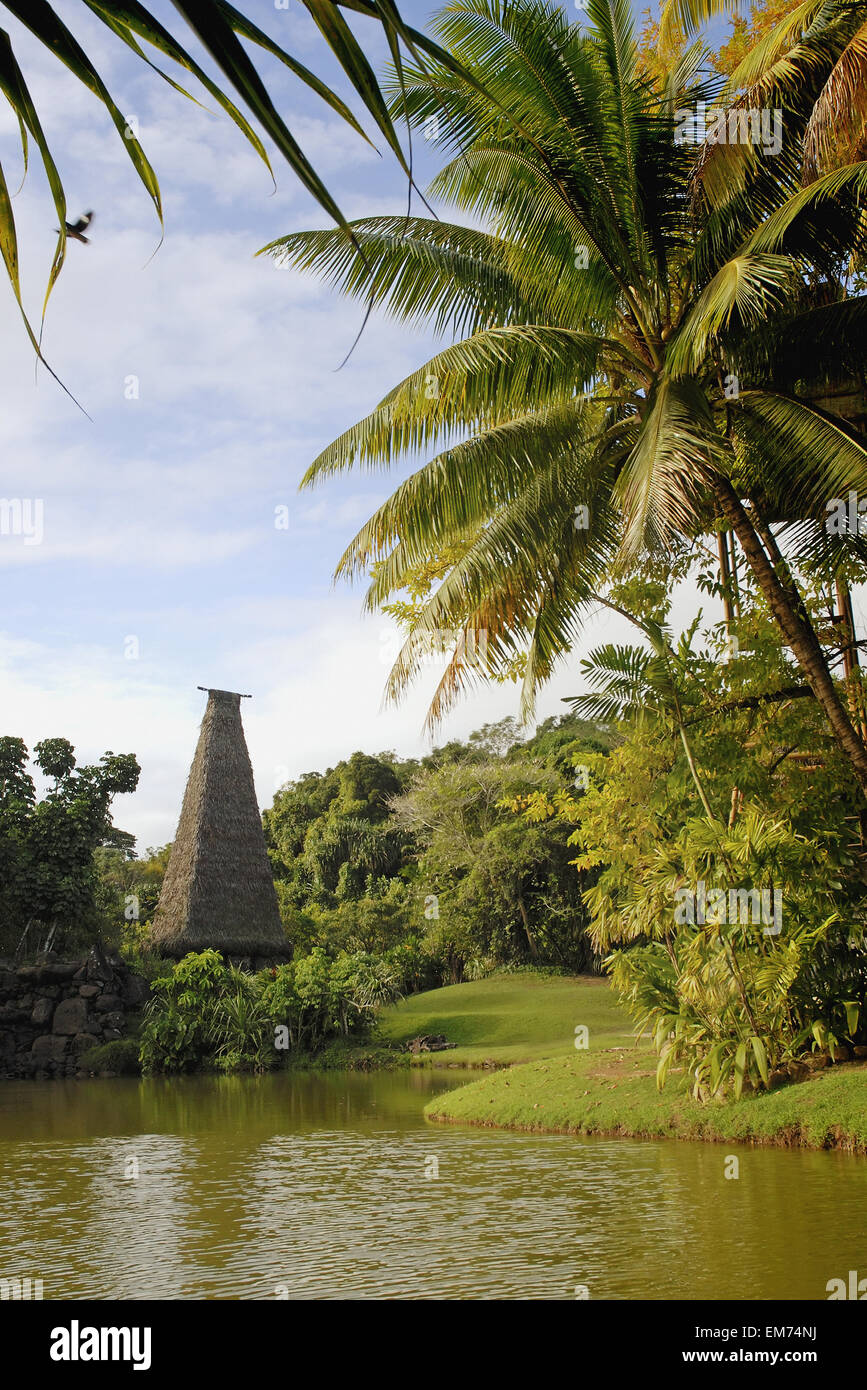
point(317, 1186)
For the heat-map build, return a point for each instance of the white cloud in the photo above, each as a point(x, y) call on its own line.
point(159, 514)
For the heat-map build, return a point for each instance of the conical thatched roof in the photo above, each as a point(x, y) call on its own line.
point(218, 891)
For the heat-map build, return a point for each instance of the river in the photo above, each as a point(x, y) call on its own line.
point(308, 1186)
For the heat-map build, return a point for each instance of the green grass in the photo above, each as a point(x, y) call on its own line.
point(509, 1018)
point(613, 1091)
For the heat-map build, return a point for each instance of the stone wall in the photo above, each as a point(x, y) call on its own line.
point(52, 1012)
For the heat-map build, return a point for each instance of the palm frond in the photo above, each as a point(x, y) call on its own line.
point(837, 129)
point(219, 27)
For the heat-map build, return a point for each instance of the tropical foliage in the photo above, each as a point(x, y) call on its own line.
point(649, 341)
point(813, 53)
point(207, 1012)
point(50, 892)
point(729, 891)
point(656, 376)
point(421, 862)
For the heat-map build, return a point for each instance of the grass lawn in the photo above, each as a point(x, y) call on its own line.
point(611, 1089)
point(610, 1093)
point(509, 1018)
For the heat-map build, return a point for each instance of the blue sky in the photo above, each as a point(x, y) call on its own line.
point(159, 533)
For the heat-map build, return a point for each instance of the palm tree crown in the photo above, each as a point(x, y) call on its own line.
point(637, 358)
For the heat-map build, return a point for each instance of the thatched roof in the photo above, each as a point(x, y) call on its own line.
point(218, 891)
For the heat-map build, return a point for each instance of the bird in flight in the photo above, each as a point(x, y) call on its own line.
point(76, 229)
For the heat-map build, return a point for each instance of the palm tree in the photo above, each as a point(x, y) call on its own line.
point(219, 27)
point(622, 381)
point(816, 55)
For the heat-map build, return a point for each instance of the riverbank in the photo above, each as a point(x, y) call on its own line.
point(504, 1019)
point(613, 1092)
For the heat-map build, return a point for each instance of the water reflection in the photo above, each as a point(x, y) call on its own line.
point(319, 1187)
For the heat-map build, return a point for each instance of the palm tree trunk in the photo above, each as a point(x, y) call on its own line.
point(851, 662)
point(725, 579)
point(733, 568)
point(796, 629)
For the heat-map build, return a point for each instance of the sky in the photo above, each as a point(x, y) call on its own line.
point(211, 381)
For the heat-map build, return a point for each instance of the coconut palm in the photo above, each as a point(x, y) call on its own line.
point(816, 55)
point(219, 28)
point(621, 382)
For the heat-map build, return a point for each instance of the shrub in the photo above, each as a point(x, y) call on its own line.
point(120, 1055)
point(207, 1013)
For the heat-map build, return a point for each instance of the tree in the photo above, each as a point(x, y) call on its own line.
point(813, 52)
point(639, 361)
point(219, 27)
point(331, 837)
point(736, 938)
point(48, 878)
point(131, 886)
point(496, 889)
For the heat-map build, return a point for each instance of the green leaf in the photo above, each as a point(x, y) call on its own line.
point(343, 44)
point(41, 20)
point(15, 89)
point(761, 1056)
point(218, 37)
point(9, 252)
point(740, 1068)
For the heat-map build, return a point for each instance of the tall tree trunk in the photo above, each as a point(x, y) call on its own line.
point(851, 662)
point(531, 940)
point(796, 629)
point(725, 579)
point(733, 565)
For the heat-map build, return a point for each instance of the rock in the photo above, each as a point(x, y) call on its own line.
point(429, 1042)
point(88, 991)
point(860, 1050)
point(797, 1071)
point(112, 1034)
point(49, 1046)
point(842, 1053)
point(136, 991)
point(55, 974)
point(114, 1021)
point(70, 1016)
point(779, 1077)
point(42, 1011)
point(83, 1042)
point(107, 1003)
point(815, 1061)
point(98, 967)
point(12, 1013)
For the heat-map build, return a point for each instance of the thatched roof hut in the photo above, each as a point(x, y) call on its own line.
point(218, 891)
